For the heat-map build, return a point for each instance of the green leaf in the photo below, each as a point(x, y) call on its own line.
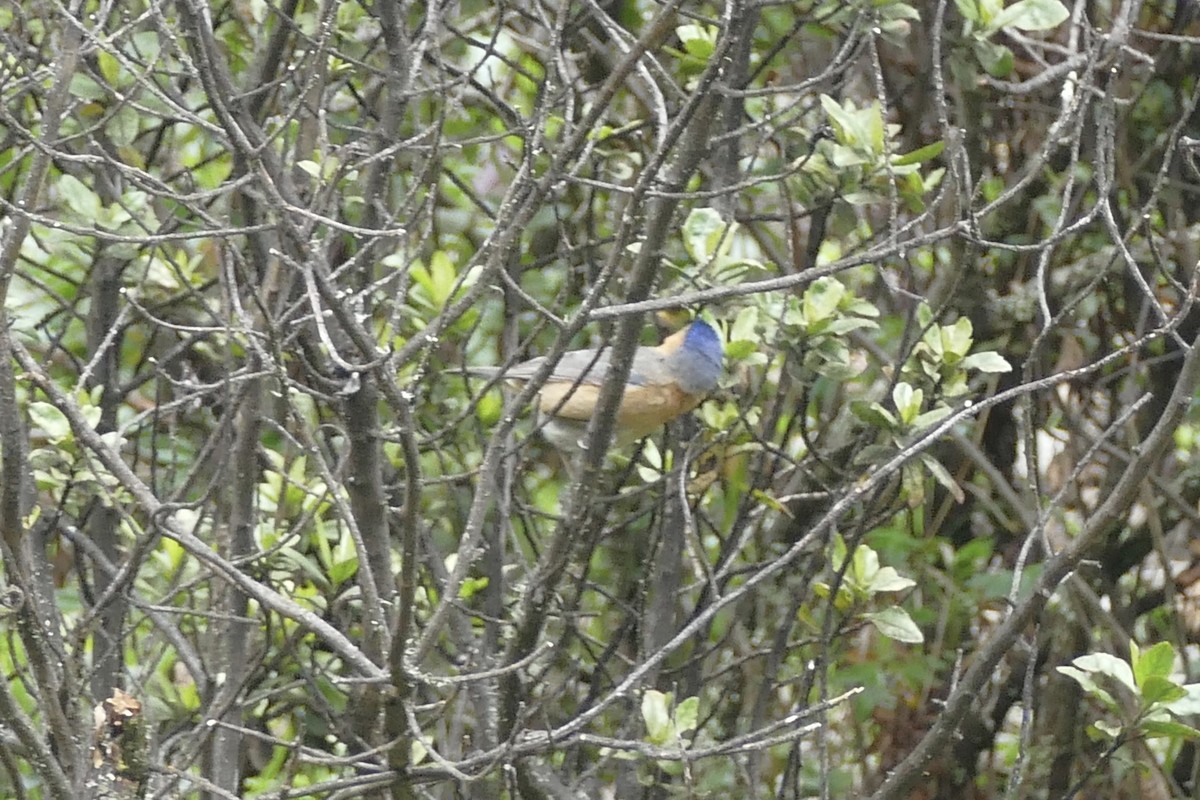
point(52, 422)
point(706, 235)
point(895, 623)
point(1031, 15)
point(1158, 689)
point(957, 339)
point(860, 307)
point(699, 41)
point(943, 476)
point(687, 714)
point(740, 349)
point(995, 58)
point(85, 87)
point(839, 327)
point(769, 501)
point(78, 197)
point(920, 154)
point(860, 129)
point(110, 68)
point(837, 553)
point(989, 9)
point(908, 401)
point(821, 300)
point(955, 385)
point(931, 417)
point(1109, 665)
point(864, 566)
point(969, 10)
point(342, 571)
point(744, 325)
point(471, 587)
point(656, 714)
point(889, 580)
point(1089, 685)
point(924, 315)
point(987, 361)
point(899, 11)
point(1158, 661)
point(123, 126)
point(1168, 728)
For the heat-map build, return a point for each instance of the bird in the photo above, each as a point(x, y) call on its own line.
point(666, 381)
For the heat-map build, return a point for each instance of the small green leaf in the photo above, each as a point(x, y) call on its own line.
point(699, 41)
point(52, 422)
point(873, 414)
point(342, 571)
point(931, 417)
point(860, 307)
point(1089, 685)
point(860, 129)
point(687, 714)
point(908, 401)
point(969, 10)
point(1031, 15)
point(864, 567)
point(471, 587)
point(1169, 729)
point(123, 126)
point(110, 68)
point(888, 580)
point(706, 235)
point(920, 154)
point(739, 349)
point(1110, 665)
point(924, 315)
point(837, 552)
point(744, 325)
point(955, 385)
point(1158, 661)
point(839, 327)
point(943, 476)
point(995, 58)
point(85, 87)
point(656, 714)
point(821, 300)
point(770, 502)
point(1157, 689)
point(899, 11)
point(957, 339)
point(78, 197)
point(895, 623)
point(987, 361)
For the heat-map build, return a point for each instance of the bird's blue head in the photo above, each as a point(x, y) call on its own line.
point(698, 360)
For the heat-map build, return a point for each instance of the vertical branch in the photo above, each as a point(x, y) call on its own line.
point(231, 630)
point(38, 619)
point(104, 345)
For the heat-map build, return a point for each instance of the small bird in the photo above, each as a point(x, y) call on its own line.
point(665, 382)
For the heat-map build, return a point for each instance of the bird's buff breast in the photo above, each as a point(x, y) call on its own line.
point(643, 409)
